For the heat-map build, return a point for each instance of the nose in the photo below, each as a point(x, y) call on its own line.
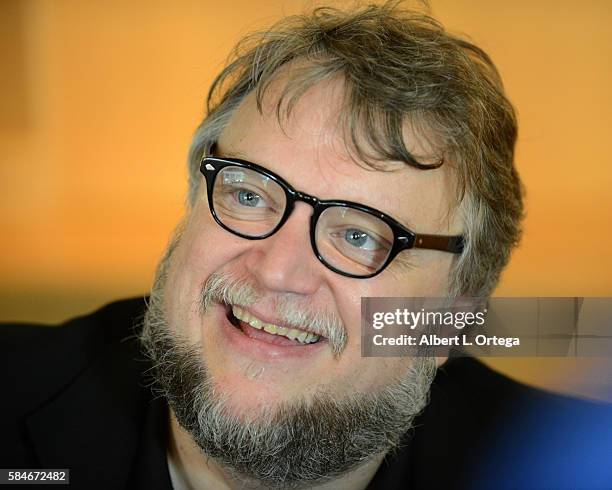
point(285, 262)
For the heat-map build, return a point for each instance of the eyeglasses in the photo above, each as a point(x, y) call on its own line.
point(349, 238)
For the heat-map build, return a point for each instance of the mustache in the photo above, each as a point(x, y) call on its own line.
point(228, 288)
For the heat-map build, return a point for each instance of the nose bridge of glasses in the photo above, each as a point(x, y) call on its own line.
point(307, 198)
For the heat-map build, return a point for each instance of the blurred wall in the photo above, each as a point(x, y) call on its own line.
point(98, 101)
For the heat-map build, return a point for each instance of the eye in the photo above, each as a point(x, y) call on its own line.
point(249, 198)
point(360, 239)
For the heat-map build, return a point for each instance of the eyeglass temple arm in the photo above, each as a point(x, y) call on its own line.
point(453, 244)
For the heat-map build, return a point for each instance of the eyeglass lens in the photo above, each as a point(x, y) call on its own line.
point(350, 240)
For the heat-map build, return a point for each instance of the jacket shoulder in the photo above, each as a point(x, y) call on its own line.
point(478, 420)
point(36, 360)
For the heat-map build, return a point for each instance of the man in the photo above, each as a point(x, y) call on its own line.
point(345, 154)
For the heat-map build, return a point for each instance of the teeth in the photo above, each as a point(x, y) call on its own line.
point(291, 333)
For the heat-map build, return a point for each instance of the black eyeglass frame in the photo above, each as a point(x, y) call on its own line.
point(403, 238)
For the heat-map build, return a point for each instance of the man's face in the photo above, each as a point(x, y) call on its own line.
point(252, 374)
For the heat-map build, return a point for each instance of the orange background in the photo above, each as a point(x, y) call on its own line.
point(99, 98)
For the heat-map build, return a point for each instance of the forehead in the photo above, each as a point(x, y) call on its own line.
point(308, 149)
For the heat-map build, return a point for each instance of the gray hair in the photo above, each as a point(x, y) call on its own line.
point(399, 67)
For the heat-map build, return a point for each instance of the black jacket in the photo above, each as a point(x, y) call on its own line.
point(78, 397)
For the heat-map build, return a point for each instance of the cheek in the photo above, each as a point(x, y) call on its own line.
point(434, 275)
point(204, 248)
point(430, 279)
point(358, 373)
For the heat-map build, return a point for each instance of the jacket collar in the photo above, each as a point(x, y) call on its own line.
point(92, 425)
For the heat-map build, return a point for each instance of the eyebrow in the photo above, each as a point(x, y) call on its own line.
point(230, 153)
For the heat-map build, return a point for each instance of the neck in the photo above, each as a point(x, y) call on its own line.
point(190, 469)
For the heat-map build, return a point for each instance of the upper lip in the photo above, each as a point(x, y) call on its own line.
point(273, 320)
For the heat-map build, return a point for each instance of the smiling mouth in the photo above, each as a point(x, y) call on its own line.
point(257, 329)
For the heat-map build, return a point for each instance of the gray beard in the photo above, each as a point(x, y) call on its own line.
point(292, 445)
